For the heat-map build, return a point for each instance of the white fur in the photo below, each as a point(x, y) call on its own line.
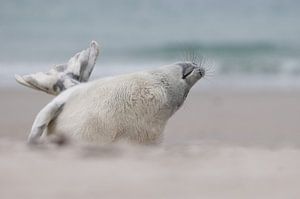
point(135, 107)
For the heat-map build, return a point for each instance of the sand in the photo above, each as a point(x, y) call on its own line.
point(221, 144)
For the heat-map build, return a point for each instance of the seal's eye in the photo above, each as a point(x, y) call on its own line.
point(187, 69)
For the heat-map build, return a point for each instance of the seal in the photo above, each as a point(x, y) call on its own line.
point(135, 107)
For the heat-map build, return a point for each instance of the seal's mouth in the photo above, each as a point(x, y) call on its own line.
point(187, 71)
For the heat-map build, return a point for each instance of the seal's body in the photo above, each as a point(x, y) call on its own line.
point(134, 107)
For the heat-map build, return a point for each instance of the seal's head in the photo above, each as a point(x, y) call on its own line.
point(190, 72)
point(178, 79)
point(184, 74)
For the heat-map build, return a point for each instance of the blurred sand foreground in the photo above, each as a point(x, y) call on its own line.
point(221, 144)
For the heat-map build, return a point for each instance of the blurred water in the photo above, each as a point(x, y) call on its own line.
point(257, 39)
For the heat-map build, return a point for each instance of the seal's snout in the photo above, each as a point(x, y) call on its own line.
point(187, 69)
point(201, 72)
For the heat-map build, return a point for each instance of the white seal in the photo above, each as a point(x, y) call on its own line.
point(134, 107)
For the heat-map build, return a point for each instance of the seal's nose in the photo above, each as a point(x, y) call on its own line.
point(202, 72)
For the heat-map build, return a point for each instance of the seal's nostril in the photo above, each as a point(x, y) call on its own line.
point(202, 72)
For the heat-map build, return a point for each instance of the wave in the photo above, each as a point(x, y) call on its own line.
point(217, 48)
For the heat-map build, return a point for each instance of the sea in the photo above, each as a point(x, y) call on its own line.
point(245, 44)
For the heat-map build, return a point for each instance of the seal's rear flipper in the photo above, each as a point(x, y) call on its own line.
point(40, 81)
point(44, 117)
point(61, 77)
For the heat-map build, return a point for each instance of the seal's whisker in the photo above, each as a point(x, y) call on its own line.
point(193, 56)
point(210, 71)
point(201, 61)
point(208, 80)
point(182, 56)
point(209, 76)
point(209, 68)
point(186, 55)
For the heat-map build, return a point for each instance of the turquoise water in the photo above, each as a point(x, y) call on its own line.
point(242, 38)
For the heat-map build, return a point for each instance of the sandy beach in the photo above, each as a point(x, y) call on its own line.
point(220, 144)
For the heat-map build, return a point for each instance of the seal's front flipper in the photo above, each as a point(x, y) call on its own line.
point(44, 117)
point(61, 77)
